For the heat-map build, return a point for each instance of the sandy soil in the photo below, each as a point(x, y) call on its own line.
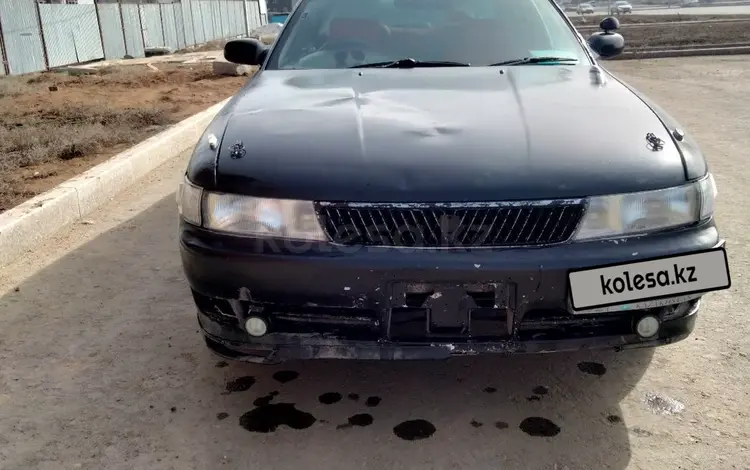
point(101, 364)
point(649, 31)
point(53, 126)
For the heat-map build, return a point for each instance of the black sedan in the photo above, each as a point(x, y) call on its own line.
point(417, 179)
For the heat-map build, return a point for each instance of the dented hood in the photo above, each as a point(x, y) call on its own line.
point(443, 134)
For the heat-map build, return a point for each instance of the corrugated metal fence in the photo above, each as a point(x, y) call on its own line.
point(35, 37)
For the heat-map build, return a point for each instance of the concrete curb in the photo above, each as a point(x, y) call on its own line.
point(26, 225)
point(667, 53)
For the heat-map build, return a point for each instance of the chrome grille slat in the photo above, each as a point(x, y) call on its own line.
point(515, 221)
point(419, 225)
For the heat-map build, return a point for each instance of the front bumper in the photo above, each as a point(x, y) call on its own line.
point(376, 303)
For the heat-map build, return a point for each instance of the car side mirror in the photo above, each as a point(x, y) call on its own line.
point(607, 43)
point(245, 51)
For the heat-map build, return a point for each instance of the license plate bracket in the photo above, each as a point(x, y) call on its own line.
point(446, 309)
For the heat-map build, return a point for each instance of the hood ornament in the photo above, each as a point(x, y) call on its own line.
point(654, 143)
point(237, 150)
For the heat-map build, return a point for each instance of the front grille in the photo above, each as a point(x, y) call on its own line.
point(451, 225)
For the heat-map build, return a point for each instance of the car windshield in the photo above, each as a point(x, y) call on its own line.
point(329, 34)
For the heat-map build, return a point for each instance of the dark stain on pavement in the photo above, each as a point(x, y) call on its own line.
point(222, 364)
point(222, 415)
point(490, 390)
point(284, 376)
point(372, 401)
point(414, 429)
point(476, 423)
point(329, 398)
point(268, 418)
point(501, 425)
point(540, 390)
point(265, 399)
point(360, 420)
point(241, 384)
point(539, 427)
point(593, 368)
point(354, 396)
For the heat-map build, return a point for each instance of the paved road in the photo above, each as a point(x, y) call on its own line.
point(728, 10)
point(101, 365)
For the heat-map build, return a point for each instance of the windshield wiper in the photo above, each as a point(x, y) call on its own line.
point(410, 64)
point(535, 60)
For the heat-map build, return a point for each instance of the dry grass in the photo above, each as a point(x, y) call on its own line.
point(54, 125)
point(72, 132)
point(209, 46)
point(593, 20)
point(680, 34)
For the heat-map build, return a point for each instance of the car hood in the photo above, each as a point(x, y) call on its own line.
point(442, 134)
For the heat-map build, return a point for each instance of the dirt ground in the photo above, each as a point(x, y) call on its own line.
point(678, 33)
point(102, 366)
point(54, 125)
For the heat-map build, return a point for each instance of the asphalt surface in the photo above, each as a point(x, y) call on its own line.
point(102, 366)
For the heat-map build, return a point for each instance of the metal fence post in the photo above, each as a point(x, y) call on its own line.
point(41, 35)
point(122, 27)
point(140, 23)
point(184, 31)
point(221, 20)
point(203, 24)
point(3, 53)
point(163, 32)
point(244, 17)
point(99, 25)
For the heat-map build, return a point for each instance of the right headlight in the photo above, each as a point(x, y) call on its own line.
point(623, 215)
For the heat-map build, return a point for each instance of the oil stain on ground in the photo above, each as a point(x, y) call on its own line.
point(476, 423)
point(490, 390)
point(539, 427)
point(540, 390)
point(240, 384)
point(222, 415)
point(329, 398)
point(265, 399)
point(593, 368)
point(359, 420)
point(372, 401)
point(414, 429)
point(501, 425)
point(268, 418)
point(284, 376)
point(354, 396)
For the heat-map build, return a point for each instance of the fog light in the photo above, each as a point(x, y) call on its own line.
point(256, 326)
point(647, 326)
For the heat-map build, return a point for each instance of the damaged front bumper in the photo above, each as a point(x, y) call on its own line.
point(385, 304)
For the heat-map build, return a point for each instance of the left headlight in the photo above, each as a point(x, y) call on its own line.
point(639, 213)
point(249, 216)
point(189, 201)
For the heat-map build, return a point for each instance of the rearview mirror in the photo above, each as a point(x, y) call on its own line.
point(607, 43)
point(245, 51)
